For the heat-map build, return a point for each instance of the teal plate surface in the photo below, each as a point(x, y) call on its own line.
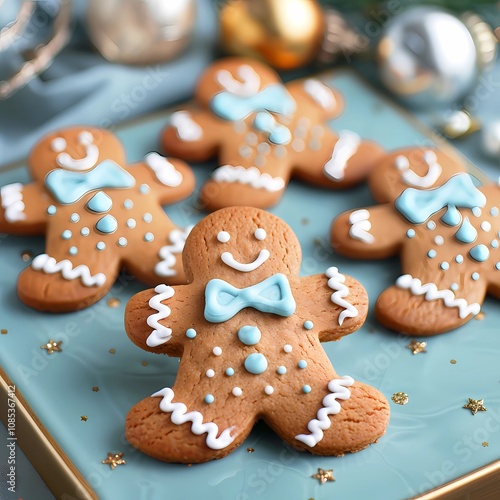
point(430, 441)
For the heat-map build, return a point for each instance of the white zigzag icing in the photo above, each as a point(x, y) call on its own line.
point(160, 334)
point(165, 172)
point(360, 226)
point(49, 265)
point(251, 176)
point(338, 389)
point(187, 129)
point(12, 202)
point(179, 416)
point(178, 238)
point(431, 292)
point(336, 282)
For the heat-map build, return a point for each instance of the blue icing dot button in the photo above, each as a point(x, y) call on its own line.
point(99, 203)
point(106, 224)
point(480, 253)
point(256, 363)
point(308, 325)
point(209, 399)
point(249, 335)
point(190, 333)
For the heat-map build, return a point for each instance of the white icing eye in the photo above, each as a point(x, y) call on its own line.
point(260, 234)
point(223, 236)
point(401, 162)
point(58, 144)
point(85, 138)
point(430, 156)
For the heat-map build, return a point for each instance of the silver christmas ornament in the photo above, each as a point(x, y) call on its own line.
point(140, 31)
point(429, 57)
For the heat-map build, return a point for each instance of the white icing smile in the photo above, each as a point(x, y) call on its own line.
point(66, 161)
point(411, 178)
point(229, 260)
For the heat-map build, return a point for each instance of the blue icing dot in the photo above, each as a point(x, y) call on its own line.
point(74, 217)
point(256, 363)
point(144, 189)
point(302, 363)
point(128, 204)
point(99, 203)
point(122, 242)
point(149, 237)
point(431, 254)
point(475, 276)
point(494, 211)
point(494, 243)
point(190, 333)
point(497, 266)
point(479, 253)
point(281, 370)
point(147, 217)
point(410, 233)
point(308, 325)
point(73, 251)
point(249, 335)
point(431, 225)
point(101, 245)
point(84, 231)
point(106, 224)
point(477, 211)
point(51, 209)
point(306, 389)
point(454, 287)
point(467, 233)
point(209, 399)
point(444, 266)
point(66, 234)
point(459, 259)
point(452, 216)
point(229, 372)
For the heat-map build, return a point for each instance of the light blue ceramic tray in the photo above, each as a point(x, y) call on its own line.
point(430, 441)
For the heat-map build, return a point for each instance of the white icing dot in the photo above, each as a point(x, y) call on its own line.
point(128, 204)
point(74, 217)
point(263, 148)
point(477, 211)
point(459, 259)
point(287, 348)
point(259, 161)
point(122, 242)
point(260, 234)
point(58, 144)
point(438, 240)
point(251, 139)
point(131, 223)
point(494, 211)
point(100, 245)
point(147, 217)
point(475, 276)
point(269, 389)
point(84, 231)
point(237, 391)
point(454, 287)
point(298, 145)
point(149, 237)
point(85, 137)
point(223, 236)
point(217, 351)
point(210, 373)
point(485, 226)
point(431, 225)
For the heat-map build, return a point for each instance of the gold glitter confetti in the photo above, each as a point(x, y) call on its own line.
point(475, 405)
point(52, 346)
point(417, 347)
point(453, 361)
point(400, 398)
point(324, 475)
point(112, 351)
point(485, 444)
point(84, 418)
point(95, 388)
point(114, 459)
point(250, 450)
point(4, 331)
point(144, 363)
point(113, 302)
point(26, 255)
point(480, 315)
point(189, 465)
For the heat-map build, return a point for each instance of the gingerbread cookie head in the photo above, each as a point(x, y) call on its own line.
point(419, 168)
point(264, 132)
point(244, 247)
point(248, 330)
point(98, 214)
point(76, 149)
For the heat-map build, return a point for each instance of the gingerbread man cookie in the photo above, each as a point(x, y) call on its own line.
point(446, 229)
point(248, 330)
point(97, 213)
point(263, 133)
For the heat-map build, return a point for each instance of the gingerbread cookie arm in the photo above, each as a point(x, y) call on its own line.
point(331, 305)
point(160, 320)
point(376, 232)
point(193, 135)
point(23, 208)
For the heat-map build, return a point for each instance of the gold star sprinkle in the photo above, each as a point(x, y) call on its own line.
point(144, 363)
point(4, 331)
point(324, 475)
point(113, 302)
point(52, 346)
point(417, 347)
point(475, 405)
point(112, 351)
point(453, 361)
point(114, 459)
point(84, 418)
point(95, 388)
point(250, 450)
point(485, 443)
point(400, 398)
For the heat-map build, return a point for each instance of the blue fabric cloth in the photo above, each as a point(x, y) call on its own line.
point(81, 87)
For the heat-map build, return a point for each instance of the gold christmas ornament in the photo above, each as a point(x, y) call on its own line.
point(286, 34)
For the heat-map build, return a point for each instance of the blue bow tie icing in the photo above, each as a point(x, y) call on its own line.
point(418, 205)
point(223, 301)
point(67, 186)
